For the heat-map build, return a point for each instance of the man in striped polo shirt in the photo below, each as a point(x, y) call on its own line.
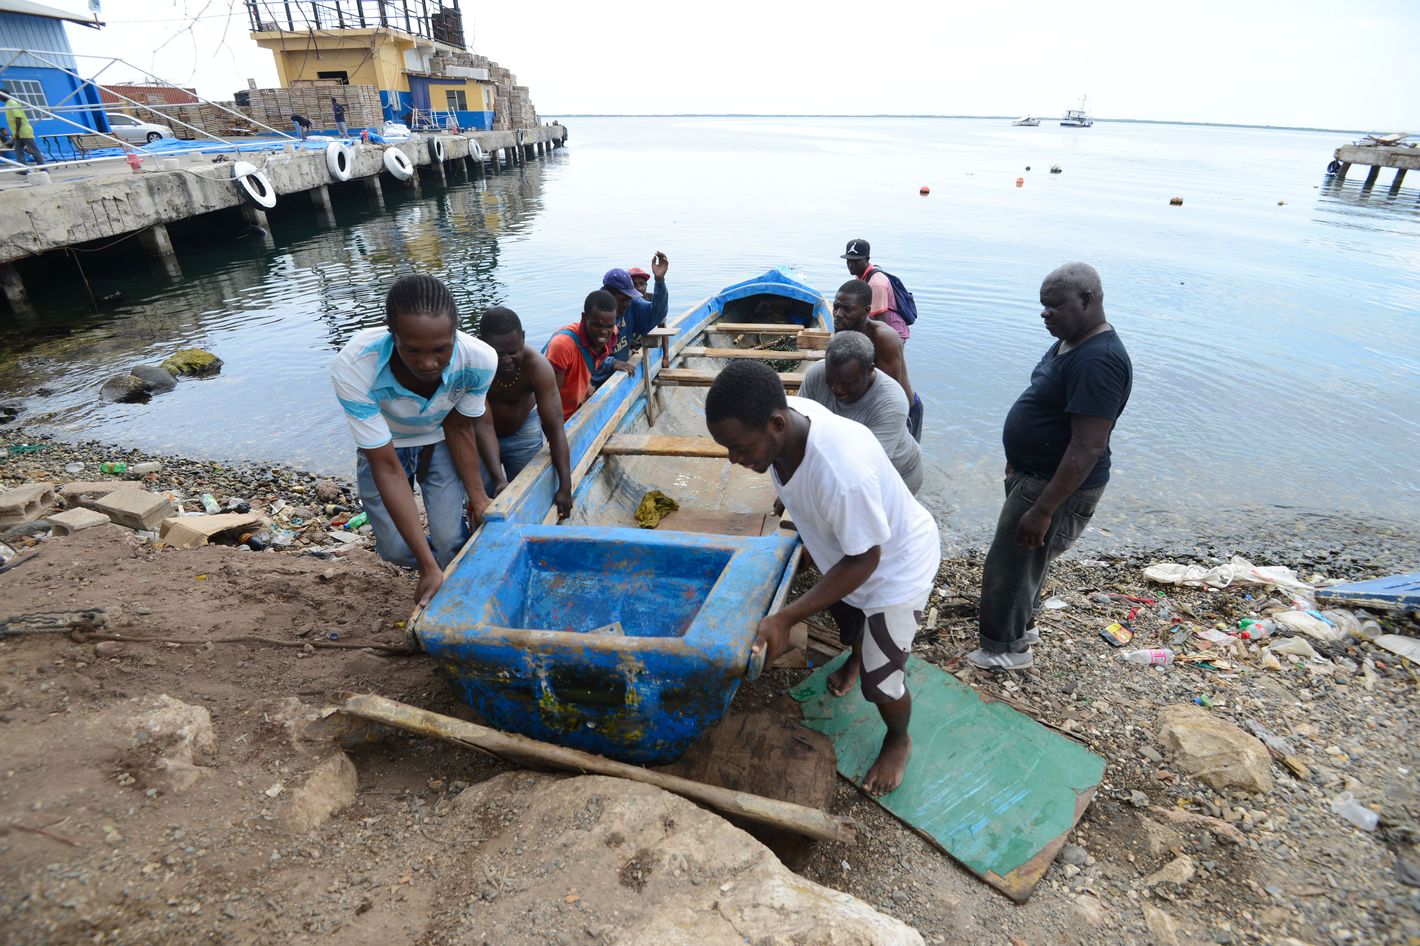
point(413, 393)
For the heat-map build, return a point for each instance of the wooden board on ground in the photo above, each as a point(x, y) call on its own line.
point(763, 752)
point(990, 786)
point(696, 377)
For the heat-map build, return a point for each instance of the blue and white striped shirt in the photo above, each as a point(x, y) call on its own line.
point(380, 410)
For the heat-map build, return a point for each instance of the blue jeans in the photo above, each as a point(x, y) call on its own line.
point(518, 448)
point(444, 504)
point(300, 130)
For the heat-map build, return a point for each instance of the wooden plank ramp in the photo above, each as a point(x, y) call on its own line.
point(698, 378)
point(768, 354)
point(655, 445)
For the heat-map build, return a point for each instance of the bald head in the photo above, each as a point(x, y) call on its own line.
point(1076, 278)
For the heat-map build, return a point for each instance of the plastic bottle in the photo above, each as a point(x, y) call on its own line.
point(1353, 811)
point(355, 522)
point(151, 466)
point(1160, 656)
point(209, 504)
point(1256, 630)
point(113, 467)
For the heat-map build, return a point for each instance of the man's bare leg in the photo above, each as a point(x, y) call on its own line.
point(845, 678)
point(886, 773)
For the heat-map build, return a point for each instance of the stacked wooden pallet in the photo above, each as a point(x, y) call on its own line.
point(275, 107)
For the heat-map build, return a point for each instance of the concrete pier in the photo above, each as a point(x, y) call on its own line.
point(1376, 157)
point(100, 201)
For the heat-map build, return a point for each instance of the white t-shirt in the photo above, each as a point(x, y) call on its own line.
point(846, 497)
point(380, 410)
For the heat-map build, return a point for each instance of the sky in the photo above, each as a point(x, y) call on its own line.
point(1269, 62)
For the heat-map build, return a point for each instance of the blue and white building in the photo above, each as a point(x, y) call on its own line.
point(35, 65)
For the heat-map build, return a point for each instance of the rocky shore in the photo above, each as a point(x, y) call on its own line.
point(162, 784)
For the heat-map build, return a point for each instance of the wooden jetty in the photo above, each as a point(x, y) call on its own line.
point(1376, 152)
point(105, 199)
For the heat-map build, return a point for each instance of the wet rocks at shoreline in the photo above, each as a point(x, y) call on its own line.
point(143, 381)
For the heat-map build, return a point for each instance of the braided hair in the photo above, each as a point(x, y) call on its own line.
point(422, 295)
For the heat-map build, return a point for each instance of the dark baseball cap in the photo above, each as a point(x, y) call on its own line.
point(619, 280)
point(857, 249)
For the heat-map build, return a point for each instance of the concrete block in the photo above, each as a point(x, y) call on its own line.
point(76, 520)
point(83, 491)
point(134, 508)
point(25, 503)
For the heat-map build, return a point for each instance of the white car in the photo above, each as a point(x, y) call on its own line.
point(131, 129)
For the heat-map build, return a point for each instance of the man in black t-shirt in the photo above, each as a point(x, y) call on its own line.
point(1056, 437)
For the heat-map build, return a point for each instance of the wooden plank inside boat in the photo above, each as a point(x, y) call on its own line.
point(699, 378)
point(653, 445)
point(754, 328)
point(697, 351)
point(714, 522)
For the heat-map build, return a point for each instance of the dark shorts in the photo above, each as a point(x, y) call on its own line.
point(883, 639)
point(914, 418)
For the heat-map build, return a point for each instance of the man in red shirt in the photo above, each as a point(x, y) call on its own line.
point(579, 349)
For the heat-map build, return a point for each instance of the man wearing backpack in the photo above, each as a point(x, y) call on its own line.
point(893, 306)
point(885, 307)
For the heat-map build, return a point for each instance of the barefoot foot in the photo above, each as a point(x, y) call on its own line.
point(845, 678)
point(886, 773)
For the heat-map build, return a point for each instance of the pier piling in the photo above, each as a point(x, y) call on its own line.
point(375, 190)
point(14, 288)
point(320, 198)
point(157, 244)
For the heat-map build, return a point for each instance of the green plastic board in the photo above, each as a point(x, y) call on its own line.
point(990, 786)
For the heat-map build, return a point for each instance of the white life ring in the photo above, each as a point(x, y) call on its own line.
point(436, 148)
point(475, 151)
point(397, 163)
point(254, 185)
point(337, 160)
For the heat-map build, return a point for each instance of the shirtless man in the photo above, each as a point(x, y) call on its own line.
point(524, 380)
point(850, 314)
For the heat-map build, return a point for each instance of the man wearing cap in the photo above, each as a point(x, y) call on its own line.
point(884, 307)
point(639, 279)
point(635, 315)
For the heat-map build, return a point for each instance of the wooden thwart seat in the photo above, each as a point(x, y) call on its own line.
point(654, 445)
point(697, 351)
point(755, 328)
point(699, 378)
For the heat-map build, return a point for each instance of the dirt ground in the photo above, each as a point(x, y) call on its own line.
point(92, 854)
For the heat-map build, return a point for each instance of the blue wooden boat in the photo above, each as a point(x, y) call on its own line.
point(610, 638)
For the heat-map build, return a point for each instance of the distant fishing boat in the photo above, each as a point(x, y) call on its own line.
point(624, 641)
point(1077, 117)
point(1025, 121)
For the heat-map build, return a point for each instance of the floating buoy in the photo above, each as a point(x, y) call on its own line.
point(337, 160)
point(254, 185)
point(1055, 169)
point(436, 148)
point(1281, 203)
point(1175, 201)
point(924, 190)
point(397, 163)
point(1020, 182)
point(1027, 167)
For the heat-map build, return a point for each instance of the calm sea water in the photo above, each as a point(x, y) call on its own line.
point(1274, 320)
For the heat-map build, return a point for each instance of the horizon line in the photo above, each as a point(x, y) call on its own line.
point(1130, 121)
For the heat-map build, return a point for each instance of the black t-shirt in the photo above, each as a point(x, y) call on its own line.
point(1094, 380)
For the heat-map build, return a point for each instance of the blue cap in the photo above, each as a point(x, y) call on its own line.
point(619, 280)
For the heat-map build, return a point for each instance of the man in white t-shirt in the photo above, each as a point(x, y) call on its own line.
point(413, 393)
point(877, 547)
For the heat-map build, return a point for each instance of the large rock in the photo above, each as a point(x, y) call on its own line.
point(1220, 754)
point(329, 788)
point(194, 362)
point(645, 868)
point(124, 388)
point(156, 379)
point(169, 742)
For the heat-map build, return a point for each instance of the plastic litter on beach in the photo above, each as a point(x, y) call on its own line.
point(1353, 811)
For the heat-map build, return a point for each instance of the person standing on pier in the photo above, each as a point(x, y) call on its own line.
point(339, 111)
point(1056, 437)
point(576, 351)
point(525, 380)
point(877, 547)
point(850, 314)
point(414, 394)
point(21, 131)
point(635, 315)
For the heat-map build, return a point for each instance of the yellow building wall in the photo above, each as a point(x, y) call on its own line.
point(369, 58)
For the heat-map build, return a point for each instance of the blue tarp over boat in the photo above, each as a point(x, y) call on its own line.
point(596, 634)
